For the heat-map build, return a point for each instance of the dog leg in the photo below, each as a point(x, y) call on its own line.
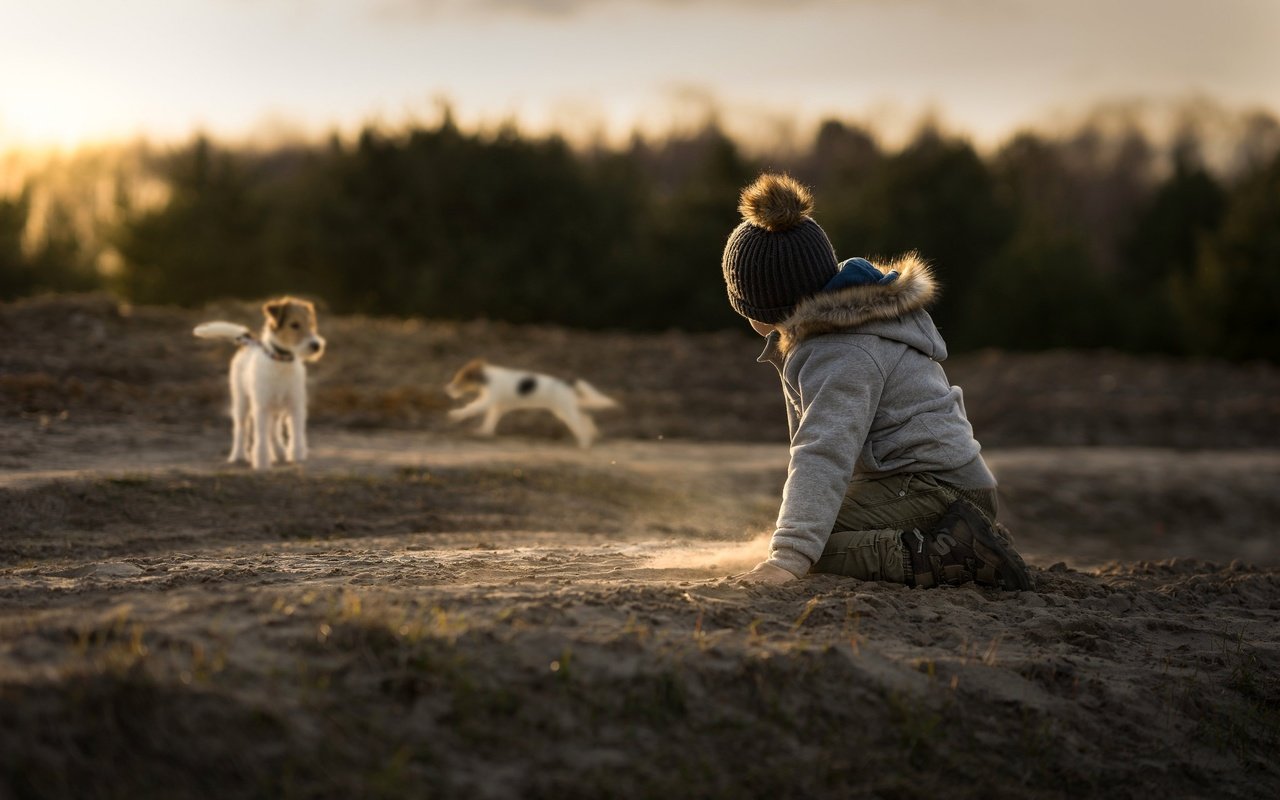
point(297, 420)
point(470, 409)
point(240, 432)
point(490, 425)
point(262, 436)
point(279, 433)
point(581, 425)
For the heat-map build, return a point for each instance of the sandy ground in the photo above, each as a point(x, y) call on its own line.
point(417, 612)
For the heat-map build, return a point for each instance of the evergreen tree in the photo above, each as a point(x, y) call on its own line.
point(1229, 305)
point(1163, 250)
point(1041, 292)
point(60, 260)
point(201, 245)
point(936, 197)
point(16, 276)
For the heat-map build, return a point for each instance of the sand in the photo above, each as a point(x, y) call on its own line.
point(419, 612)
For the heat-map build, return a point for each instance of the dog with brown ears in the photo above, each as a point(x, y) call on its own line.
point(500, 390)
point(269, 381)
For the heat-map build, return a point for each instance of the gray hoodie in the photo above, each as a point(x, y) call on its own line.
point(866, 397)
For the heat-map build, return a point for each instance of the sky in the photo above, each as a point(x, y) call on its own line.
point(86, 71)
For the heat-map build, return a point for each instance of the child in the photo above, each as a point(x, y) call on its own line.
point(886, 481)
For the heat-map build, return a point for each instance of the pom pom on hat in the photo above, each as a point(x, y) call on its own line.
point(775, 202)
point(778, 255)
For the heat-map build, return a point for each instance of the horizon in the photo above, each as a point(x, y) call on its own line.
point(1217, 129)
point(288, 70)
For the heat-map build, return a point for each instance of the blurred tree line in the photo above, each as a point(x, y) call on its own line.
point(57, 260)
point(1088, 239)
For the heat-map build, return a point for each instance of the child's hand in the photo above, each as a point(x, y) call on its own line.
point(766, 573)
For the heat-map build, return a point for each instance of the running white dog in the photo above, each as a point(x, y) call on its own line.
point(502, 390)
point(269, 382)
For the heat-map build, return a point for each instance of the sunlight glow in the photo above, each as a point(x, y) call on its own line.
point(62, 108)
point(48, 120)
point(75, 71)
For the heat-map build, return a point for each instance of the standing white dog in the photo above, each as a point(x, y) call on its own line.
point(502, 390)
point(269, 382)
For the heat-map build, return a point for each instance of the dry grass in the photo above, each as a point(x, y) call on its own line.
point(382, 693)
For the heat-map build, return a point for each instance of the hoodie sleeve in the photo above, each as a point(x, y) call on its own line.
point(839, 386)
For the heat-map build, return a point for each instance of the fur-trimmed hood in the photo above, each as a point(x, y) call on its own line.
point(884, 310)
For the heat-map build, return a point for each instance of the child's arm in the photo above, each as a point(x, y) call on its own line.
point(840, 386)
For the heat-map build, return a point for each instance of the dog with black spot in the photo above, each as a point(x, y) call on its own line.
point(500, 389)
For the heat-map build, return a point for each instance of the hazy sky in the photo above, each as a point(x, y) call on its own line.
point(77, 70)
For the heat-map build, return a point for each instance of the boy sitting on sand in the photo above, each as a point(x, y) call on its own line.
point(886, 481)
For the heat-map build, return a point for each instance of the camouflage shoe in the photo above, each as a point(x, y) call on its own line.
point(964, 547)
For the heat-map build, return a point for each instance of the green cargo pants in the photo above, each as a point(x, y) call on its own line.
point(866, 542)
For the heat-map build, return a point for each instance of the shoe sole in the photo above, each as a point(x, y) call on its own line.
point(1015, 558)
point(1012, 572)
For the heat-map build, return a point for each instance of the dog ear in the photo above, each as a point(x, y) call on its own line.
point(474, 371)
point(274, 311)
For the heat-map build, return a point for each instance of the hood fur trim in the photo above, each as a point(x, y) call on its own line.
point(843, 309)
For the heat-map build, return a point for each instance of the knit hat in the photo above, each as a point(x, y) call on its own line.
point(778, 256)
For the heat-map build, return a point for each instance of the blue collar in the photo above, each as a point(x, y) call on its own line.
point(858, 272)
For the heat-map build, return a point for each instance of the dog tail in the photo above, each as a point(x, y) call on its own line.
point(590, 398)
point(221, 330)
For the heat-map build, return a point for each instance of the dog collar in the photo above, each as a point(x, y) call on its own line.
point(272, 350)
point(278, 353)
